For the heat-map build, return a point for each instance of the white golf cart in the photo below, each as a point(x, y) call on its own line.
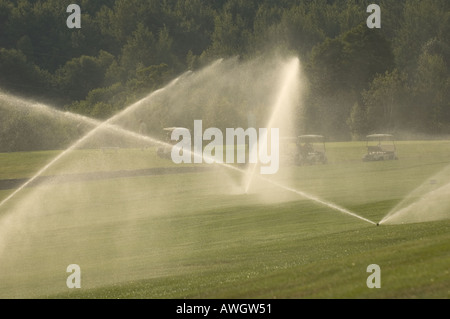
point(310, 150)
point(380, 147)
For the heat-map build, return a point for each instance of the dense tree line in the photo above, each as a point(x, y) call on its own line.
point(360, 80)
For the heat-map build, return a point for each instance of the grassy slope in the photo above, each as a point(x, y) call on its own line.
point(295, 264)
point(232, 247)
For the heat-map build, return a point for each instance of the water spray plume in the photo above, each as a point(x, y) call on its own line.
point(290, 189)
point(428, 202)
point(100, 125)
point(320, 201)
point(291, 73)
point(289, 85)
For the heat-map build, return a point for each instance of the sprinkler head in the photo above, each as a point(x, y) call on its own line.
point(378, 224)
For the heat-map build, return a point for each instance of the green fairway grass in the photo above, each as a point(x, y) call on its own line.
point(195, 235)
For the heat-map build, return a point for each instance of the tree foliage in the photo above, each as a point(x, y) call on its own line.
point(361, 80)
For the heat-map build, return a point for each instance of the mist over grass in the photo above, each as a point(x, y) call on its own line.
point(192, 236)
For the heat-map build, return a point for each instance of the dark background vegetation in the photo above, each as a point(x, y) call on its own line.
point(360, 80)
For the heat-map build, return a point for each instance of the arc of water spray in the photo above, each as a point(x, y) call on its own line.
point(100, 125)
point(301, 193)
point(156, 141)
point(107, 124)
point(292, 69)
point(398, 210)
point(319, 201)
point(286, 188)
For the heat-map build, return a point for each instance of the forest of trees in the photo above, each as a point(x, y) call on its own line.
point(360, 80)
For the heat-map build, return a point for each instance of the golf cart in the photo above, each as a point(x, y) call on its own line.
point(310, 150)
point(165, 151)
point(380, 147)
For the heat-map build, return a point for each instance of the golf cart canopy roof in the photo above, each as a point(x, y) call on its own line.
point(379, 136)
